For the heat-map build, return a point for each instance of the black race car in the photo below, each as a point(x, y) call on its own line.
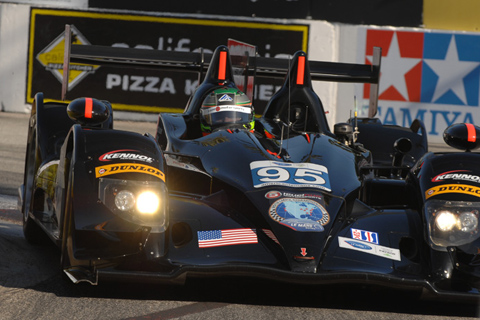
point(278, 196)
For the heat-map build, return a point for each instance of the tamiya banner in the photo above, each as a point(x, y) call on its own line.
point(135, 89)
point(430, 75)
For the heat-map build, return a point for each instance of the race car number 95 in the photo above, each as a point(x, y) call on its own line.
point(297, 175)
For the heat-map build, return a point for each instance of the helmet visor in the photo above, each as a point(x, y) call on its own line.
point(227, 114)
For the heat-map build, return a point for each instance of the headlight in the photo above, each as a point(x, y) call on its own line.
point(148, 202)
point(125, 200)
point(452, 223)
point(445, 220)
point(468, 221)
point(140, 202)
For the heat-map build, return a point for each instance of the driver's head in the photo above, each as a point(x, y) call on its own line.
point(226, 107)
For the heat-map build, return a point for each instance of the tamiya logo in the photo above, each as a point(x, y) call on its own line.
point(225, 97)
point(427, 67)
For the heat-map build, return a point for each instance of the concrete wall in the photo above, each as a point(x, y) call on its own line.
point(14, 29)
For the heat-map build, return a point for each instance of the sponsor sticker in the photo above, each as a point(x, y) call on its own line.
point(297, 175)
point(457, 175)
point(207, 111)
point(363, 235)
point(277, 194)
point(128, 167)
point(370, 248)
point(299, 214)
point(126, 154)
point(225, 97)
point(273, 194)
point(453, 188)
point(219, 238)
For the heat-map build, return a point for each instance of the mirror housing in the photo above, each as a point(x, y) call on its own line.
point(462, 136)
point(88, 111)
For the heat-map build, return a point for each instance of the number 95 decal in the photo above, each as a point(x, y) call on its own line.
point(298, 175)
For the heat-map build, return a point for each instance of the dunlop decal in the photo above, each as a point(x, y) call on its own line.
point(128, 167)
point(453, 188)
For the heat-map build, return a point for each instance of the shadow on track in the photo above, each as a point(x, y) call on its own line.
point(37, 268)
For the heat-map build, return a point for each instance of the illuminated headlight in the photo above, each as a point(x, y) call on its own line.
point(452, 223)
point(445, 220)
point(140, 202)
point(148, 202)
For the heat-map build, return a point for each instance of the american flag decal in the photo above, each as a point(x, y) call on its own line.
point(218, 238)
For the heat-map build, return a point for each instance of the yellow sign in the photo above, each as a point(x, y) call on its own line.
point(453, 188)
point(51, 57)
point(128, 167)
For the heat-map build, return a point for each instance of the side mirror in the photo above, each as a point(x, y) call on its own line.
point(88, 111)
point(401, 146)
point(462, 136)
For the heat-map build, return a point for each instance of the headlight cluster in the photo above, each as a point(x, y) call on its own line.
point(452, 223)
point(141, 202)
point(146, 202)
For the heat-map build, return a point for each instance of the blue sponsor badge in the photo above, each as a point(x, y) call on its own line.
point(363, 235)
point(300, 214)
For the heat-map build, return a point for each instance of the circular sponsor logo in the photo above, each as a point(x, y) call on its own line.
point(273, 194)
point(299, 214)
point(101, 171)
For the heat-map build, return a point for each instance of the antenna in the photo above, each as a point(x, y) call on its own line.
point(288, 124)
point(355, 131)
point(289, 98)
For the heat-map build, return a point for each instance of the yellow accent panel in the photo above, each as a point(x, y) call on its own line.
point(115, 168)
point(462, 15)
point(453, 188)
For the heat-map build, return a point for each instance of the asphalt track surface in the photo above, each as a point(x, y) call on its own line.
point(33, 287)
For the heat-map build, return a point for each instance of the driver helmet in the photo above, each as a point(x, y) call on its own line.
point(226, 107)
